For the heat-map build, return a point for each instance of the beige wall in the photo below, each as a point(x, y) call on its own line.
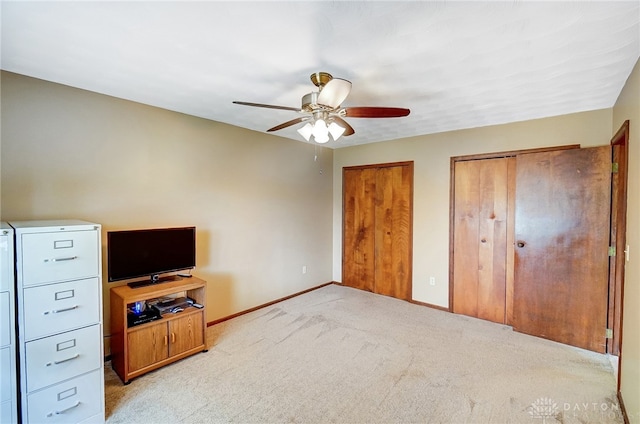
point(261, 204)
point(628, 108)
point(431, 155)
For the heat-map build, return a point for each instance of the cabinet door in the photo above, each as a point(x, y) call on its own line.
point(186, 333)
point(147, 346)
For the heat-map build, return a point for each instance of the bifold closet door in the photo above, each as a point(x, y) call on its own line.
point(377, 228)
point(480, 222)
point(562, 241)
point(358, 250)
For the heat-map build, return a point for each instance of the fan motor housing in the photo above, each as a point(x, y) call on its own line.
point(310, 103)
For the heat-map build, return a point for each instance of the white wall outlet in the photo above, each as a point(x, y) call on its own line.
point(432, 281)
point(304, 269)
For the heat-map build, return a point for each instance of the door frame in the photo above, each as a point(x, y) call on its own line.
point(620, 154)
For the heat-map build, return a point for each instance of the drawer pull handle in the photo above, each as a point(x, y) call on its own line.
point(75, 405)
point(57, 311)
point(70, 258)
point(62, 361)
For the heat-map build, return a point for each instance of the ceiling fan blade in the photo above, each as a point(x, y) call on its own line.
point(334, 93)
point(288, 123)
point(348, 129)
point(375, 112)
point(295, 109)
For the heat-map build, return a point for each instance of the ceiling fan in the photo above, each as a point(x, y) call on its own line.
point(323, 113)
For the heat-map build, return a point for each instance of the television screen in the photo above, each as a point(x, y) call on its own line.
point(150, 252)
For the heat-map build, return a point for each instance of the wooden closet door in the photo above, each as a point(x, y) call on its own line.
point(377, 228)
point(562, 238)
point(393, 212)
point(480, 238)
point(358, 246)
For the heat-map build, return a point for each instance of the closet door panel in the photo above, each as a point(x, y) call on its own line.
point(465, 245)
point(393, 232)
point(562, 238)
point(358, 256)
point(493, 240)
point(480, 238)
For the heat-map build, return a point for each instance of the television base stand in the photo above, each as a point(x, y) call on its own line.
point(152, 281)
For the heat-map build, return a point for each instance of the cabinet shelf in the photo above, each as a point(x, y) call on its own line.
point(139, 349)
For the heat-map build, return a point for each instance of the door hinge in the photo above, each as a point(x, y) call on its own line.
point(614, 167)
point(608, 333)
point(612, 251)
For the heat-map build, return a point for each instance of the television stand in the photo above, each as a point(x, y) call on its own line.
point(138, 349)
point(153, 280)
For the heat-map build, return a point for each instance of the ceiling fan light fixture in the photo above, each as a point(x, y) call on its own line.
point(306, 131)
point(320, 131)
point(336, 131)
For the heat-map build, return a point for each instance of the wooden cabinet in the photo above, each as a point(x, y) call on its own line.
point(8, 383)
point(142, 348)
point(59, 301)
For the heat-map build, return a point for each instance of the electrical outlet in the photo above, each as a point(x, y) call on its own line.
point(304, 269)
point(432, 281)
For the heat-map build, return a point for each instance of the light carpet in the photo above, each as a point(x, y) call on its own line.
point(340, 355)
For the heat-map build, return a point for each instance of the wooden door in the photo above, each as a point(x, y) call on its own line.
point(562, 236)
point(358, 246)
point(480, 220)
point(377, 228)
point(393, 211)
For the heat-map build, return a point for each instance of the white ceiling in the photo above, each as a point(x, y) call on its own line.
point(456, 64)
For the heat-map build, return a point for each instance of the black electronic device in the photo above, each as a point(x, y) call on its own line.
point(148, 315)
point(150, 253)
point(170, 305)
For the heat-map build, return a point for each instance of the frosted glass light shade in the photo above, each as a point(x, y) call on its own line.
point(336, 131)
point(320, 131)
point(321, 138)
point(306, 131)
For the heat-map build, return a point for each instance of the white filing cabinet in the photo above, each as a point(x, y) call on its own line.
point(8, 370)
point(59, 292)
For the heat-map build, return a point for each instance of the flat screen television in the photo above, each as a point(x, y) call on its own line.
point(149, 253)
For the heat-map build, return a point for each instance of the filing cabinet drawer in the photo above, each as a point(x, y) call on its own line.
point(51, 257)
point(5, 319)
point(6, 413)
point(60, 307)
point(6, 261)
point(62, 356)
point(6, 389)
point(68, 402)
